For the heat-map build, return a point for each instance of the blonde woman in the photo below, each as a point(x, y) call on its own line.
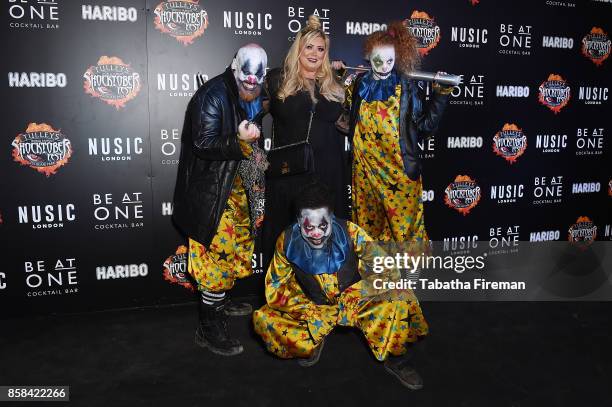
point(305, 102)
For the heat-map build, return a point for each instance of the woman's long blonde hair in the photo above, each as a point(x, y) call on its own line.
point(294, 82)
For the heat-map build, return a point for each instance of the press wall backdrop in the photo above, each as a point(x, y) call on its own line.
point(94, 95)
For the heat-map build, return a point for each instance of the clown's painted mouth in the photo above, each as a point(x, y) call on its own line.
point(382, 74)
point(249, 86)
point(316, 242)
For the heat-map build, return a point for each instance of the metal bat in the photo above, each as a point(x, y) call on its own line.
point(442, 78)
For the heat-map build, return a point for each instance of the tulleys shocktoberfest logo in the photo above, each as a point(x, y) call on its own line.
point(424, 29)
point(112, 81)
point(583, 232)
point(596, 46)
point(42, 148)
point(554, 93)
point(184, 20)
point(463, 194)
point(510, 142)
point(175, 268)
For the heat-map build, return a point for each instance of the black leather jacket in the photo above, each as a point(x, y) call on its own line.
point(419, 125)
point(210, 153)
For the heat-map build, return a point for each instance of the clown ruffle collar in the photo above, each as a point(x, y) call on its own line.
point(251, 108)
point(327, 260)
point(371, 89)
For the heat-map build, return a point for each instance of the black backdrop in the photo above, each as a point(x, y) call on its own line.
point(110, 78)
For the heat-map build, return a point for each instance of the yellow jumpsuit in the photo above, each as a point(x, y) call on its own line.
point(291, 325)
point(386, 202)
point(229, 257)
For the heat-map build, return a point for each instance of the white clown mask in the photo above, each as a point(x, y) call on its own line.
point(382, 60)
point(249, 68)
point(315, 226)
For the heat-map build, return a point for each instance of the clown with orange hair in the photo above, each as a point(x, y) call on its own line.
point(388, 118)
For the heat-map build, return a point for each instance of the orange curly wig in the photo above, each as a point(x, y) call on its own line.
point(407, 57)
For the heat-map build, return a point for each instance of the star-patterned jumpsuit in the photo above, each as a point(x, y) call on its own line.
point(386, 202)
point(216, 268)
point(291, 325)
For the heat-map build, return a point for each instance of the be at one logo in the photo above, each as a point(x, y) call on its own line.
point(34, 14)
point(175, 268)
point(515, 39)
point(510, 142)
point(299, 15)
point(590, 141)
point(42, 148)
point(582, 233)
point(554, 93)
point(427, 148)
point(170, 146)
point(504, 239)
point(112, 81)
point(118, 211)
point(596, 46)
point(51, 278)
point(424, 29)
point(463, 194)
point(547, 190)
point(183, 20)
point(469, 92)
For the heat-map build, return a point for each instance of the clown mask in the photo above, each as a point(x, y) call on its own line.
point(315, 226)
point(382, 59)
point(249, 68)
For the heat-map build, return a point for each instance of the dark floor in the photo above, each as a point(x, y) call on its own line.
point(477, 354)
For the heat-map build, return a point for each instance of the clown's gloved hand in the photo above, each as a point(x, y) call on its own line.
point(441, 88)
point(321, 320)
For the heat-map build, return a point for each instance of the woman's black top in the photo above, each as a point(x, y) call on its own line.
point(291, 118)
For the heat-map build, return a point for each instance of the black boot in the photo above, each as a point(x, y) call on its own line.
point(402, 368)
point(237, 309)
point(314, 356)
point(212, 330)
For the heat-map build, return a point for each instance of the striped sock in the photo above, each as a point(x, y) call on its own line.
point(209, 298)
